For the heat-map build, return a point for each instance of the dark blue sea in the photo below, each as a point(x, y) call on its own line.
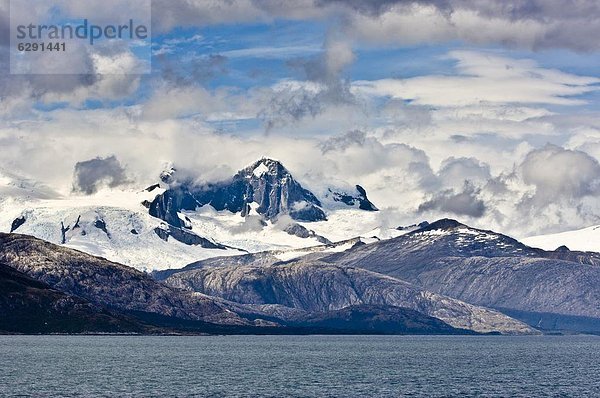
point(299, 366)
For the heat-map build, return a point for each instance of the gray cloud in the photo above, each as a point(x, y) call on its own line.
point(326, 86)
point(378, 7)
point(91, 175)
point(526, 23)
point(290, 104)
point(465, 203)
point(341, 142)
point(522, 23)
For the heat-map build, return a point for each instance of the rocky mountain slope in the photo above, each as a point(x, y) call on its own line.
point(547, 289)
point(48, 288)
point(379, 319)
point(485, 268)
point(266, 183)
point(313, 286)
point(265, 187)
point(105, 283)
point(357, 199)
point(30, 306)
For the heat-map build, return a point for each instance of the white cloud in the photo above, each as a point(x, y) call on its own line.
point(524, 193)
point(556, 172)
point(486, 79)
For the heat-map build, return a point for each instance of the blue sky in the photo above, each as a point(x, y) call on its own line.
point(259, 54)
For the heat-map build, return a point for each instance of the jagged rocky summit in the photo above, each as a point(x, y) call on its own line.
point(266, 187)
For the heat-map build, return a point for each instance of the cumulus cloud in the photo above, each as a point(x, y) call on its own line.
point(344, 141)
point(550, 190)
point(456, 171)
point(556, 172)
point(91, 175)
point(462, 203)
point(532, 190)
point(532, 24)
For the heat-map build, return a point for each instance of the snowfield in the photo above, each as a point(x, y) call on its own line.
point(586, 239)
point(114, 224)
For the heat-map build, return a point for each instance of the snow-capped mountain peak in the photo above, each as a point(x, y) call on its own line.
point(260, 170)
point(265, 166)
point(266, 182)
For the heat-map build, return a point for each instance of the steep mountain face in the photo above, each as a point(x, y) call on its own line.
point(30, 306)
point(357, 199)
point(107, 284)
point(314, 286)
point(266, 183)
point(485, 268)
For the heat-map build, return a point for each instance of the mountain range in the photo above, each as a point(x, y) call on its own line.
point(261, 253)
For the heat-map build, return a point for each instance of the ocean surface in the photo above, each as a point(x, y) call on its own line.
point(299, 366)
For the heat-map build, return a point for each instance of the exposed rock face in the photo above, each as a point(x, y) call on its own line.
point(265, 182)
point(100, 224)
point(485, 268)
point(184, 236)
point(29, 306)
point(105, 283)
point(358, 199)
point(255, 259)
point(303, 232)
point(166, 205)
point(17, 223)
point(318, 287)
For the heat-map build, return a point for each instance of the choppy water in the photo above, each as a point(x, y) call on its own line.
point(299, 366)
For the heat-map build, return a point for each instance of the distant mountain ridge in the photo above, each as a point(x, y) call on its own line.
point(176, 221)
point(546, 289)
point(310, 285)
point(485, 268)
point(73, 288)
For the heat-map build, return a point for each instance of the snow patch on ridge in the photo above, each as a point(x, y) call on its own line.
point(260, 170)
